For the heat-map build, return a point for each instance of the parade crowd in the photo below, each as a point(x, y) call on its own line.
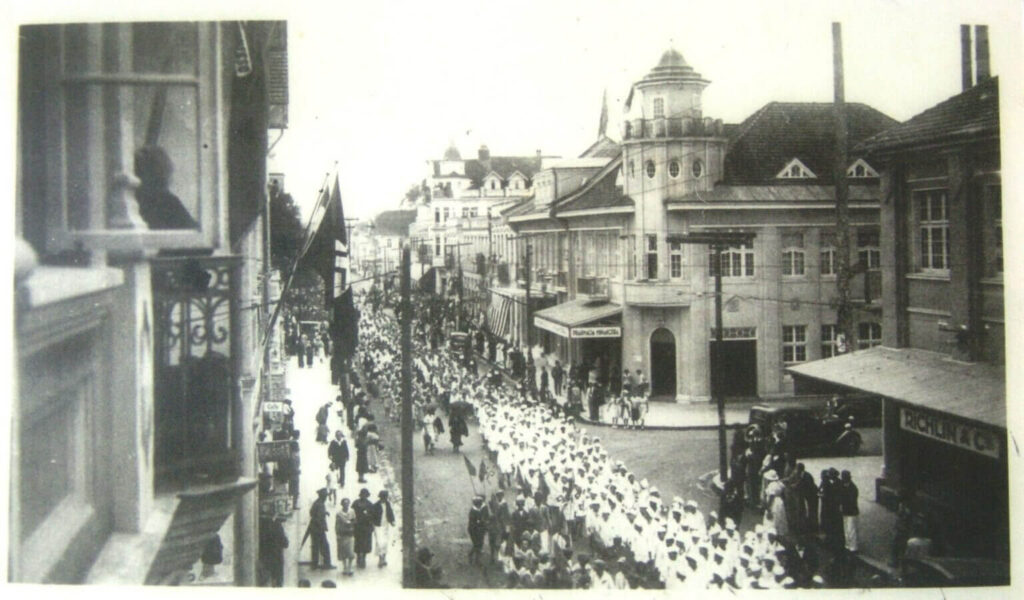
point(562, 513)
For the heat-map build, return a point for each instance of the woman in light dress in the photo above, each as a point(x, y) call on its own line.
point(345, 530)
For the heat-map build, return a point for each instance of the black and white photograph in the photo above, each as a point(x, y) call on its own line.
point(679, 296)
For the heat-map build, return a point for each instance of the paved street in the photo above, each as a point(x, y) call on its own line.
point(309, 389)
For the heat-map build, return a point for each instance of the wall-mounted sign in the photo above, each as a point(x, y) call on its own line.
point(736, 333)
point(554, 328)
point(273, 451)
point(949, 431)
point(276, 505)
point(273, 407)
point(596, 332)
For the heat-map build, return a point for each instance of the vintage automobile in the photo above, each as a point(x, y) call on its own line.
point(864, 410)
point(803, 428)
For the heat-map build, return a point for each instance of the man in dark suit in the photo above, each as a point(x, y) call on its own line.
point(338, 453)
point(318, 532)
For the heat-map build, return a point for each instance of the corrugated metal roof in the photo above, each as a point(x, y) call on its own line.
point(931, 380)
point(784, 192)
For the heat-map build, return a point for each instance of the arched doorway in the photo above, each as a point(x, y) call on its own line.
point(663, 363)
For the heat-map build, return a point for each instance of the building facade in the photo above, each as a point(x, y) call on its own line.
point(940, 373)
point(139, 211)
point(614, 243)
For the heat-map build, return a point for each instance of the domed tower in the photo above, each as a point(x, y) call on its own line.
point(670, 149)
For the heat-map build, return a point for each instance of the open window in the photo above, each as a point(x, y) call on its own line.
point(133, 136)
point(861, 170)
point(795, 170)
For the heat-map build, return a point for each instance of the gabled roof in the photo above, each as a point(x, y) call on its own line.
point(394, 222)
point(781, 131)
point(971, 114)
point(598, 192)
point(504, 166)
point(604, 147)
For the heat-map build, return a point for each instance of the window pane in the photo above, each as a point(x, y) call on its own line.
point(798, 263)
point(169, 48)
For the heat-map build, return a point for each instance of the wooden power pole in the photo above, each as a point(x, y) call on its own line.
point(844, 309)
point(408, 499)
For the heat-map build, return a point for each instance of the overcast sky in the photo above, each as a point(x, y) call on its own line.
point(381, 87)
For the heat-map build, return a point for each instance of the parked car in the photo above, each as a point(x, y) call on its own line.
point(864, 410)
point(804, 429)
point(953, 572)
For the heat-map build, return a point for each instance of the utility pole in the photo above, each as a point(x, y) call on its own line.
point(490, 250)
point(718, 242)
point(408, 499)
point(844, 311)
point(529, 324)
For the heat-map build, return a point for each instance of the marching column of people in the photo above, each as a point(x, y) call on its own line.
point(557, 491)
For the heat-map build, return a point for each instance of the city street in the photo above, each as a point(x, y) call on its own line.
point(309, 389)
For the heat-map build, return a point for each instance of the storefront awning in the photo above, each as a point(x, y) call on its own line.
point(578, 319)
point(927, 379)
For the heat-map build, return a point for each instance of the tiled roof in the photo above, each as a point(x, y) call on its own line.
point(971, 114)
point(599, 191)
point(520, 208)
point(394, 222)
point(502, 165)
point(781, 131)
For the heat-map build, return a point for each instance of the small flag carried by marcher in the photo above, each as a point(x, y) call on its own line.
point(483, 470)
point(469, 466)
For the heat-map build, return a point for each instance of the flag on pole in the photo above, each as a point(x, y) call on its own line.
point(469, 466)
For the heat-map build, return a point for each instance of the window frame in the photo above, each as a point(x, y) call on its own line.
point(114, 159)
point(925, 260)
point(651, 256)
point(868, 340)
point(872, 252)
point(650, 169)
point(793, 256)
point(740, 261)
point(658, 108)
point(795, 345)
point(675, 267)
point(829, 344)
point(674, 164)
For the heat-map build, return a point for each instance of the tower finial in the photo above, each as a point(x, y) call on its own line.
point(602, 127)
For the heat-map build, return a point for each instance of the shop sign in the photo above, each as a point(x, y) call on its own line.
point(273, 407)
point(955, 433)
point(552, 327)
point(276, 505)
point(596, 332)
point(273, 451)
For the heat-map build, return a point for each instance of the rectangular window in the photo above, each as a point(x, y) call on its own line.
point(868, 253)
point(446, 215)
point(676, 260)
point(736, 262)
point(933, 230)
point(793, 254)
point(868, 335)
point(828, 341)
point(437, 245)
point(652, 257)
point(659, 108)
point(993, 231)
point(437, 215)
point(631, 257)
point(131, 103)
point(794, 343)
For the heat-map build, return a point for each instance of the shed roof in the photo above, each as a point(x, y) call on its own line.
point(931, 380)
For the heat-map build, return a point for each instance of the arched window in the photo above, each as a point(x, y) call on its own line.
point(651, 169)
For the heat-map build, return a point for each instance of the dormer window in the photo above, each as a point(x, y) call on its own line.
point(494, 184)
point(796, 170)
point(659, 108)
point(861, 170)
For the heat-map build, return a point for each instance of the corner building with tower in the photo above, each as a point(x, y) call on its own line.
point(608, 247)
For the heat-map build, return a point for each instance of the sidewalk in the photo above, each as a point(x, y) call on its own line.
point(310, 389)
point(662, 415)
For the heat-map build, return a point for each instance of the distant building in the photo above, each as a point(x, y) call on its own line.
point(940, 372)
point(390, 230)
point(458, 220)
point(632, 296)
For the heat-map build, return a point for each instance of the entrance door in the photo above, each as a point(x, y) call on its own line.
point(663, 363)
point(736, 365)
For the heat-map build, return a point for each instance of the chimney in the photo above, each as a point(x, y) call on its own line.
point(981, 51)
point(483, 153)
point(966, 74)
point(538, 152)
